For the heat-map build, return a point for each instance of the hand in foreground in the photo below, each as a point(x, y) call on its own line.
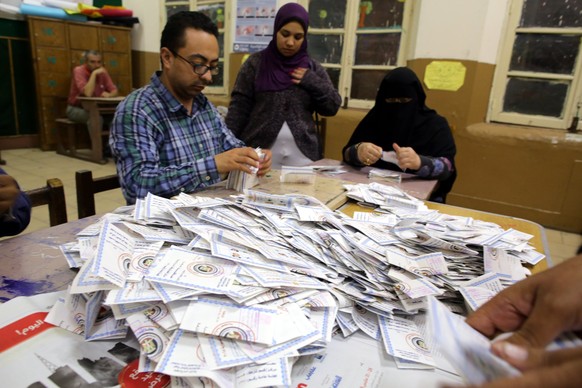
point(369, 153)
point(9, 191)
point(238, 159)
point(536, 309)
point(407, 157)
point(560, 368)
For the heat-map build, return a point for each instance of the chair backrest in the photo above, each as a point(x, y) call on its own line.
point(53, 195)
point(87, 187)
point(321, 128)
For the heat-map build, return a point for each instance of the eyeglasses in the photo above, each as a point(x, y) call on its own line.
point(198, 68)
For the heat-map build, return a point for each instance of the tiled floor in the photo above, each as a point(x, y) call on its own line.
point(32, 167)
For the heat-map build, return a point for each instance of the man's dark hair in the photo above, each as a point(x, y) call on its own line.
point(173, 34)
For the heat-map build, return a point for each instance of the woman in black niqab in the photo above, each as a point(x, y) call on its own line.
point(401, 122)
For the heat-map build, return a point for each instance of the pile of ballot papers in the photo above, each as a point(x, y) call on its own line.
point(237, 289)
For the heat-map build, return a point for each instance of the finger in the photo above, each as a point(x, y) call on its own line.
point(505, 312)
point(524, 358)
point(396, 148)
point(563, 375)
point(538, 330)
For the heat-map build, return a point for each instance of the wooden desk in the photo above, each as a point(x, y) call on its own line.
point(97, 107)
point(410, 183)
point(32, 263)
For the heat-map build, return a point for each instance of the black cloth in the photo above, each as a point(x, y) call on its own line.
point(408, 124)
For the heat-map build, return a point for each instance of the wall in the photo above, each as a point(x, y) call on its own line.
point(501, 169)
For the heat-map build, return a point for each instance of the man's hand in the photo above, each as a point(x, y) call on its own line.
point(8, 192)
point(238, 159)
point(536, 309)
point(541, 369)
point(265, 165)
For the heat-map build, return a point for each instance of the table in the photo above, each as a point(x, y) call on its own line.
point(97, 107)
point(409, 183)
point(32, 263)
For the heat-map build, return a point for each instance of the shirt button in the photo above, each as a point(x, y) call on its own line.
point(207, 178)
point(182, 189)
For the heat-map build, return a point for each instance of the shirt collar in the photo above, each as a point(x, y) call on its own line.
point(168, 98)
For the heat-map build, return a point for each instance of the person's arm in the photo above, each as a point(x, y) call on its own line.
point(89, 88)
point(15, 206)
point(359, 148)
point(424, 166)
point(326, 99)
point(139, 135)
point(362, 154)
point(110, 88)
point(242, 98)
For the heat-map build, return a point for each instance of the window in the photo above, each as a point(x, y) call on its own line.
point(358, 42)
point(538, 77)
point(218, 11)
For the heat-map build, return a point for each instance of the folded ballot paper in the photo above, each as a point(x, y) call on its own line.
point(240, 180)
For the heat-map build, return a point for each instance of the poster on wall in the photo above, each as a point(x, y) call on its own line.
point(254, 25)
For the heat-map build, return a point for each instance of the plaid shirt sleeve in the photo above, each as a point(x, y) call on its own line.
point(162, 150)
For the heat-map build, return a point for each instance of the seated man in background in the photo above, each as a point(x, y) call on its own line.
point(15, 206)
point(90, 79)
point(166, 137)
point(401, 133)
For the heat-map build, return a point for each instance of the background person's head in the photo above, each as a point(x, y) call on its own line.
point(92, 59)
point(290, 29)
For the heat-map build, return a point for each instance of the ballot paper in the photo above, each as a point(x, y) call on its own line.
point(240, 180)
point(244, 289)
point(390, 157)
point(465, 348)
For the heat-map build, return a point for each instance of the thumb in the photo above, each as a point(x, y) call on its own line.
point(396, 147)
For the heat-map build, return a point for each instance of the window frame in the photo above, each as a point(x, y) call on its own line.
point(350, 33)
point(224, 61)
point(502, 75)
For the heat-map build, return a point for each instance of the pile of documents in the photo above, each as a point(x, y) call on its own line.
point(238, 289)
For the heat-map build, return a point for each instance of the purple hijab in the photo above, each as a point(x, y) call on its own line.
point(275, 67)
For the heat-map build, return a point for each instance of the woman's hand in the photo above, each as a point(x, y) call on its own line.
point(369, 153)
point(298, 74)
point(407, 157)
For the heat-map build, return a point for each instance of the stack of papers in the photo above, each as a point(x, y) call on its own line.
point(239, 180)
point(239, 290)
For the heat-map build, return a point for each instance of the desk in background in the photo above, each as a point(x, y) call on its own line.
point(97, 108)
point(409, 183)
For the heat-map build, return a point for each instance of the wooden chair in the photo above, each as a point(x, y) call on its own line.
point(53, 195)
point(321, 128)
point(87, 187)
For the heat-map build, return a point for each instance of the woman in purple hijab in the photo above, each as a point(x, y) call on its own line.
point(277, 91)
